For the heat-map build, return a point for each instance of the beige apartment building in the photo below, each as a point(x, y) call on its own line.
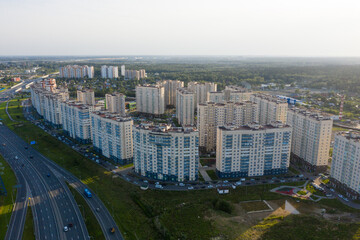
point(170, 91)
point(211, 115)
point(150, 99)
point(86, 96)
point(115, 103)
point(185, 101)
point(271, 109)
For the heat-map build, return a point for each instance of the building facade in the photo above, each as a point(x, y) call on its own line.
point(345, 165)
point(185, 101)
point(231, 93)
point(115, 103)
point(86, 96)
point(112, 136)
point(271, 109)
point(109, 72)
point(165, 153)
point(253, 150)
point(76, 120)
point(310, 139)
point(150, 99)
point(211, 115)
point(201, 91)
point(170, 91)
point(76, 71)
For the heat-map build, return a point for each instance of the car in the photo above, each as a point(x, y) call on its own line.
point(233, 186)
point(329, 195)
point(346, 199)
point(238, 183)
point(16, 157)
point(282, 181)
point(4, 144)
point(157, 183)
point(26, 147)
point(48, 175)
point(331, 189)
point(340, 196)
point(243, 179)
point(226, 181)
point(70, 225)
point(159, 186)
point(98, 209)
point(145, 181)
point(181, 184)
point(31, 156)
point(252, 179)
point(210, 186)
point(112, 230)
point(66, 228)
point(190, 188)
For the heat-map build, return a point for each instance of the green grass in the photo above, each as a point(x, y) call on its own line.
point(337, 129)
point(298, 227)
point(312, 190)
point(29, 226)
point(212, 174)
point(91, 222)
point(293, 170)
point(201, 179)
point(301, 193)
point(6, 204)
point(334, 203)
point(254, 206)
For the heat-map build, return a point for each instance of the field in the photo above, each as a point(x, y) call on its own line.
point(6, 201)
point(212, 174)
point(254, 206)
point(155, 214)
point(29, 226)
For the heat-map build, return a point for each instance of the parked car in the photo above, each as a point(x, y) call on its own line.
point(190, 188)
point(159, 186)
point(181, 184)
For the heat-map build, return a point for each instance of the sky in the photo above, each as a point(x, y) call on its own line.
point(180, 27)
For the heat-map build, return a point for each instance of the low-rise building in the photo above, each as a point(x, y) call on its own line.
point(253, 150)
point(165, 153)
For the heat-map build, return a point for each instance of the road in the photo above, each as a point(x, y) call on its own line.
point(52, 203)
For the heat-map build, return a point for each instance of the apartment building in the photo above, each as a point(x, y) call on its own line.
point(165, 153)
point(310, 139)
point(185, 101)
point(211, 115)
point(46, 99)
point(112, 136)
point(109, 72)
point(150, 99)
point(76, 71)
point(345, 165)
point(86, 96)
point(115, 103)
point(201, 91)
point(170, 91)
point(76, 120)
point(253, 150)
point(122, 70)
point(135, 74)
point(271, 109)
point(231, 93)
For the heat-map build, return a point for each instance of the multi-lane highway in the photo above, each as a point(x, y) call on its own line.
point(52, 203)
point(42, 185)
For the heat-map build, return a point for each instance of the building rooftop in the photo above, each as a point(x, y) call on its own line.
point(351, 135)
point(254, 126)
point(314, 114)
point(228, 102)
point(237, 89)
point(164, 128)
point(270, 98)
point(151, 86)
point(113, 116)
point(185, 91)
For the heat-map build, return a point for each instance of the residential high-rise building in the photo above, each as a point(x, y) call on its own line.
point(345, 165)
point(115, 103)
point(310, 139)
point(252, 150)
point(76, 120)
point(46, 98)
point(122, 70)
point(150, 99)
point(211, 115)
point(86, 96)
point(76, 71)
point(231, 93)
point(112, 136)
point(109, 72)
point(135, 74)
point(201, 91)
point(185, 101)
point(170, 91)
point(165, 153)
point(271, 109)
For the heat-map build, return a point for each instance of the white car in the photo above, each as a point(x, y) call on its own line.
point(346, 199)
point(226, 181)
point(210, 186)
point(66, 229)
point(159, 186)
point(238, 183)
point(243, 179)
point(190, 188)
point(181, 184)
